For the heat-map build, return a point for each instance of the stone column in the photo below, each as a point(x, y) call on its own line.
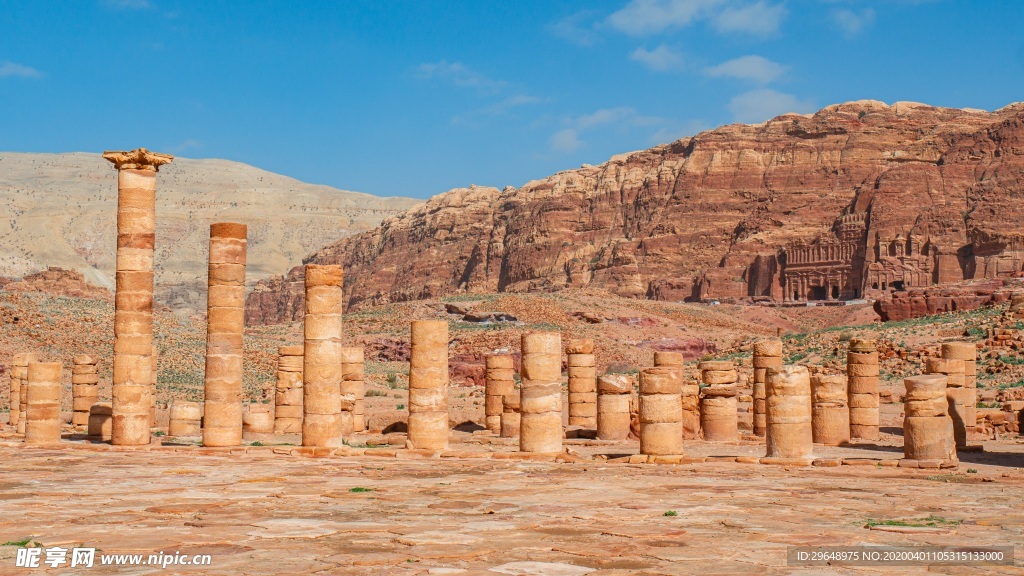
point(957, 394)
point(862, 386)
point(428, 385)
point(347, 389)
point(257, 422)
point(582, 372)
point(613, 418)
point(788, 412)
point(689, 395)
point(42, 415)
point(540, 428)
point(767, 354)
point(85, 389)
point(500, 383)
point(133, 296)
point(101, 421)
point(718, 404)
point(225, 326)
point(321, 361)
point(830, 412)
point(288, 397)
point(353, 383)
point(967, 352)
point(661, 411)
point(184, 419)
point(510, 415)
point(19, 380)
point(152, 388)
point(927, 428)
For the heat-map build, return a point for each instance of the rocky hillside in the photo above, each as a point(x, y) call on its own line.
point(60, 210)
point(706, 216)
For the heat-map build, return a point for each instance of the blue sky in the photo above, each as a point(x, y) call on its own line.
point(413, 98)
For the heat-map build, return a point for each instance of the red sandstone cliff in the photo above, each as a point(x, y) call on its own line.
point(709, 216)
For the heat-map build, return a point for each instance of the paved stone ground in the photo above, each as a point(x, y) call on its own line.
point(267, 513)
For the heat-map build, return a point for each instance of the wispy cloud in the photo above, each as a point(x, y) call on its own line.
point(459, 74)
point(646, 17)
point(852, 22)
point(753, 67)
point(661, 59)
point(188, 144)
point(569, 138)
point(479, 117)
point(128, 4)
point(759, 18)
point(14, 70)
point(579, 28)
point(763, 104)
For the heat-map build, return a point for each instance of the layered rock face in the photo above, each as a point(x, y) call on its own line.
point(713, 216)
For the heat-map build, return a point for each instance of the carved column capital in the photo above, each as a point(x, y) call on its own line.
point(138, 159)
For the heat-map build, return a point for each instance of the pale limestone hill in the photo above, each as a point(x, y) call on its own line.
point(60, 210)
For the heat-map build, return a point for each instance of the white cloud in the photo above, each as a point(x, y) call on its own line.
point(759, 18)
point(753, 67)
point(652, 16)
point(577, 28)
point(763, 104)
point(661, 59)
point(850, 22)
point(460, 75)
point(566, 140)
point(13, 69)
point(570, 139)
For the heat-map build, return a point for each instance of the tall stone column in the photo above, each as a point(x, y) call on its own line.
point(428, 385)
point(660, 411)
point(967, 352)
point(85, 389)
point(288, 399)
point(540, 427)
point(718, 404)
point(225, 325)
point(830, 412)
point(927, 428)
point(862, 386)
point(788, 433)
point(582, 372)
point(767, 354)
point(133, 296)
point(499, 384)
point(353, 383)
point(19, 381)
point(42, 417)
point(321, 365)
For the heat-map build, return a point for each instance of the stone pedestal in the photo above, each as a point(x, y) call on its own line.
point(101, 421)
point(499, 384)
point(718, 417)
point(133, 297)
point(288, 392)
point(510, 415)
point(582, 372)
point(967, 352)
point(19, 388)
point(788, 412)
point(428, 385)
point(927, 428)
point(42, 414)
point(257, 422)
point(613, 417)
point(321, 362)
point(830, 413)
point(767, 354)
point(225, 321)
point(540, 428)
point(85, 389)
point(353, 386)
point(660, 411)
point(957, 395)
point(185, 418)
point(862, 388)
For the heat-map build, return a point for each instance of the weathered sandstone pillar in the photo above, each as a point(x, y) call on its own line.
point(788, 412)
point(510, 415)
point(257, 421)
point(288, 396)
point(862, 387)
point(613, 416)
point(927, 428)
point(428, 385)
point(767, 354)
point(540, 428)
point(689, 396)
point(152, 388)
point(185, 418)
point(661, 411)
point(85, 388)
point(42, 415)
point(967, 352)
point(19, 380)
point(225, 322)
point(499, 383)
point(718, 403)
point(353, 385)
point(830, 412)
point(101, 421)
point(957, 395)
point(582, 372)
point(321, 361)
point(133, 296)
